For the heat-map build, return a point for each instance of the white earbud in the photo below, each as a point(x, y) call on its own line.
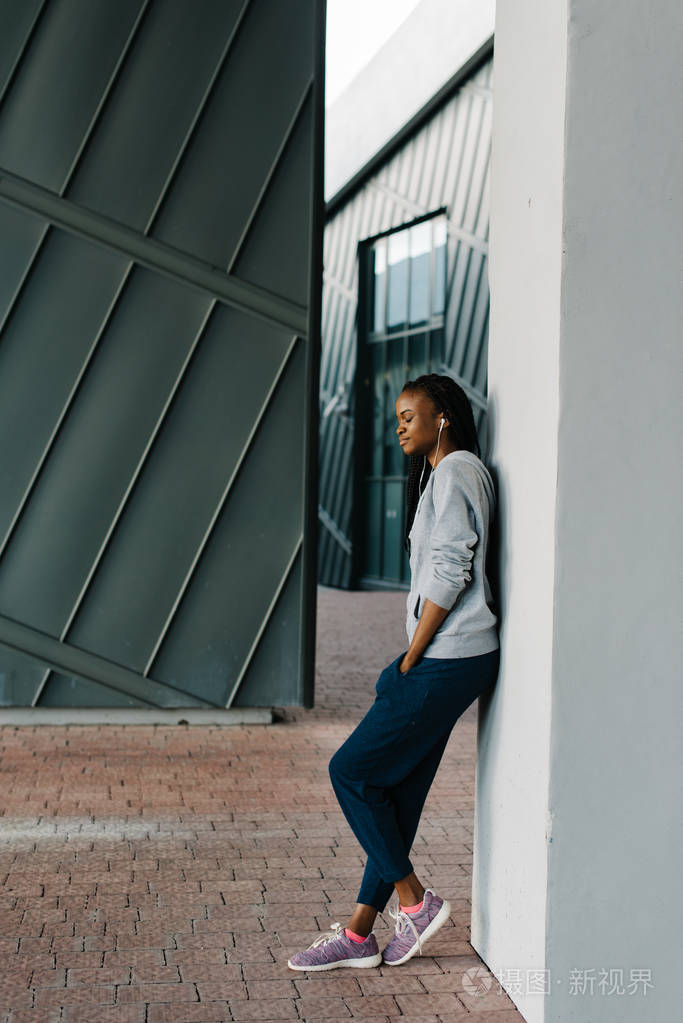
point(439, 441)
point(441, 426)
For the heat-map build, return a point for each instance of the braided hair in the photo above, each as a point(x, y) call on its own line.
point(448, 397)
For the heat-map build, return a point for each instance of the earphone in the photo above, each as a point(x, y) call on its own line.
point(441, 426)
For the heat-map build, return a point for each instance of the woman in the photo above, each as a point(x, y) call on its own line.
point(382, 773)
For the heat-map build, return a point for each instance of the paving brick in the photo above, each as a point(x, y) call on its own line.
point(496, 998)
point(88, 976)
point(30, 1016)
point(347, 1019)
point(225, 973)
point(374, 1005)
point(157, 993)
point(133, 1013)
point(15, 997)
point(19, 979)
point(48, 978)
point(323, 1006)
point(134, 957)
point(487, 1016)
point(264, 971)
point(205, 957)
point(281, 988)
point(264, 1009)
point(197, 1012)
point(337, 982)
point(396, 983)
point(428, 1003)
point(147, 974)
point(211, 941)
point(419, 1019)
point(52, 996)
point(213, 990)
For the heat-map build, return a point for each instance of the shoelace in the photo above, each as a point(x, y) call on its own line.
point(336, 932)
point(402, 919)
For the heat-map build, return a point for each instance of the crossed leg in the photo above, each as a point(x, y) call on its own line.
point(406, 798)
point(409, 797)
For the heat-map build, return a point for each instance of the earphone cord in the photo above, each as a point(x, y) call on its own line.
point(424, 465)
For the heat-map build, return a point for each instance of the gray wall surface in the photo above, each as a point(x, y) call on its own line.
point(161, 244)
point(578, 827)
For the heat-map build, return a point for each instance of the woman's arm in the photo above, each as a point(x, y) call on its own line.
point(430, 620)
point(452, 542)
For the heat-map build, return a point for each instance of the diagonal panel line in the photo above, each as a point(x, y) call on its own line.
point(334, 530)
point(480, 244)
point(129, 489)
point(269, 176)
point(62, 416)
point(333, 282)
point(76, 160)
point(22, 50)
point(73, 661)
point(201, 106)
point(164, 259)
point(219, 507)
point(265, 622)
point(475, 396)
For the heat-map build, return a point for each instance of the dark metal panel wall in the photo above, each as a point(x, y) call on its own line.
point(446, 163)
point(161, 263)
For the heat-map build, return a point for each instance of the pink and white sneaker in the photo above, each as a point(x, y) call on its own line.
point(334, 948)
point(413, 929)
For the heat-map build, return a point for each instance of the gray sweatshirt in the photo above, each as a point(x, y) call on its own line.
point(448, 544)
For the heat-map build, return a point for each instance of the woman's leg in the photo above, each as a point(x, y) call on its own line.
point(372, 759)
point(409, 797)
point(382, 773)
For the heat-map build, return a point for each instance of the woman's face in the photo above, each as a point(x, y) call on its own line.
point(418, 423)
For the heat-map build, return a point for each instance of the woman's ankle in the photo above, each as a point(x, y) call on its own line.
point(410, 891)
point(362, 920)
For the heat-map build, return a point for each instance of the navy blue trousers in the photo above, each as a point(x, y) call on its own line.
point(382, 773)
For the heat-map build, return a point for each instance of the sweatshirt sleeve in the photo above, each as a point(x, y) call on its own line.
point(452, 541)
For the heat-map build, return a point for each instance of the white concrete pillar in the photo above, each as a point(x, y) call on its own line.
point(578, 822)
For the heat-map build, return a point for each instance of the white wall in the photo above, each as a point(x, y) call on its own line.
point(525, 272)
point(617, 738)
point(436, 39)
point(581, 741)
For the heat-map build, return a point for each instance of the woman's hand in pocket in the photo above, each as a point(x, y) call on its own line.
point(407, 663)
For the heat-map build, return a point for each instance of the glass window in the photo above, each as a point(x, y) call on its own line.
point(380, 286)
point(439, 296)
point(420, 259)
point(404, 333)
point(394, 459)
point(437, 356)
point(378, 425)
point(417, 355)
point(407, 277)
point(397, 259)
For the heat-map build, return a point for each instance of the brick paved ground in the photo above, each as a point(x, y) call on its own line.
point(155, 874)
